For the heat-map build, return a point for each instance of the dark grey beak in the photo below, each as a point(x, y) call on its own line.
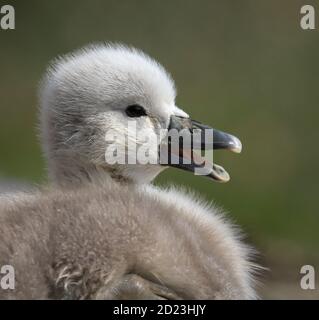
point(192, 136)
point(221, 140)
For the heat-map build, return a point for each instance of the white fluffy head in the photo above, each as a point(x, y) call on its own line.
point(84, 95)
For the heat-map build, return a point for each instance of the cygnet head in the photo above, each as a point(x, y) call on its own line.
point(91, 95)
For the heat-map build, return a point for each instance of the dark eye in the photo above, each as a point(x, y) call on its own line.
point(135, 111)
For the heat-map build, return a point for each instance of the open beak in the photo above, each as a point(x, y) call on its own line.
point(193, 136)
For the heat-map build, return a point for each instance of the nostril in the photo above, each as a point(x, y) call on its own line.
point(180, 123)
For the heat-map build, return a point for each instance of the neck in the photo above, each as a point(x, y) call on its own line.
point(68, 172)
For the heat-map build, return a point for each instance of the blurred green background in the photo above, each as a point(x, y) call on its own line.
point(245, 67)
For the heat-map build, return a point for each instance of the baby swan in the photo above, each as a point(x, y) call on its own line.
point(108, 233)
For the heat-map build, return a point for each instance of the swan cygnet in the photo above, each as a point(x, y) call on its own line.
point(102, 231)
